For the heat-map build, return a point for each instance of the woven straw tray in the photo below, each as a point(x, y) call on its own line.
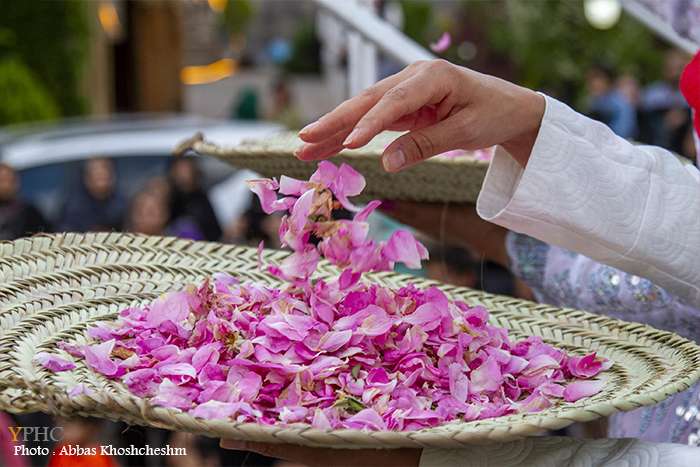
point(439, 179)
point(53, 287)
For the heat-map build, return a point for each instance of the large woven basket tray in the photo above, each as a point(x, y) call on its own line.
point(438, 179)
point(53, 287)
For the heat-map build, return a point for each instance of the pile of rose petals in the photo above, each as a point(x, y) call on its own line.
point(334, 354)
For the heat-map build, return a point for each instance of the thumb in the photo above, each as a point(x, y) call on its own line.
point(418, 145)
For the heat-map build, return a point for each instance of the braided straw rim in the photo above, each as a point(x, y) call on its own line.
point(438, 179)
point(54, 287)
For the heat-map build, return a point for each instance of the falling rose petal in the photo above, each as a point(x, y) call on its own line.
point(348, 278)
point(292, 186)
point(348, 182)
point(582, 388)
point(265, 189)
point(300, 264)
point(442, 44)
point(402, 247)
point(261, 246)
point(325, 173)
point(364, 213)
point(53, 362)
point(98, 358)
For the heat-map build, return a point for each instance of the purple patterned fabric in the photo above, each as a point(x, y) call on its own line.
point(562, 278)
point(682, 15)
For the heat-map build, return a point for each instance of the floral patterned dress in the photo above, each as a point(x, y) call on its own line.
point(561, 278)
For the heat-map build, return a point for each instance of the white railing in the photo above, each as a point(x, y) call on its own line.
point(354, 25)
point(661, 27)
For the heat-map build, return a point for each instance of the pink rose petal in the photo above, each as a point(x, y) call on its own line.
point(53, 362)
point(582, 388)
point(442, 44)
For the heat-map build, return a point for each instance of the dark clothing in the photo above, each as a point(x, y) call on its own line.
point(83, 213)
point(196, 206)
point(20, 219)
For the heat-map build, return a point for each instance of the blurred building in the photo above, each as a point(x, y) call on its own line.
point(135, 56)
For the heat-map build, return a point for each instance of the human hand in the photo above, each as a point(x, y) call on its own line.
point(442, 106)
point(319, 457)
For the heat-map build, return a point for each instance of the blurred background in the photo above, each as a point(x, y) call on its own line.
point(95, 94)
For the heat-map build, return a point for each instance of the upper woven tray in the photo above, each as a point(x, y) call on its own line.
point(54, 287)
point(440, 179)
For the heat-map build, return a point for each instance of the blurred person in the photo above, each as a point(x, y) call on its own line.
point(284, 109)
point(18, 218)
point(689, 144)
point(607, 104)
point(8, 458)
point(246, 105)
point(662, 106)
point(149, 214)
point(254, 226)
point(195, 457)
point(205, 452)
point(80, 435)
point(160, 187)
point(189, 201)
point(96, 205)
point(629, 87)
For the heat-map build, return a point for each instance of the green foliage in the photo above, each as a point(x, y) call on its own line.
point(306, 51)
point(23, 97)
point(417, 18)
point(237, 15)
point(46, 43)
point(553, 45)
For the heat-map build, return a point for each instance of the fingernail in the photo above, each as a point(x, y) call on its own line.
point(355, 135)
point(308, 127)
point(394, 161)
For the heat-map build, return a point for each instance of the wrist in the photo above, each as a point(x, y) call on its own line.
point(531, 106)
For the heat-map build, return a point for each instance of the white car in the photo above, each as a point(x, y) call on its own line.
point(48, 156)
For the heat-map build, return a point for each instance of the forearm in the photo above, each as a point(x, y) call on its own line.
point(588, 190)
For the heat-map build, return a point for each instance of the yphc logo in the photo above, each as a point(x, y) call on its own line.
point(37, 434)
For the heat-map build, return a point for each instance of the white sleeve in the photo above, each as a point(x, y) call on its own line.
point(636, 208)
point(555, 451)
